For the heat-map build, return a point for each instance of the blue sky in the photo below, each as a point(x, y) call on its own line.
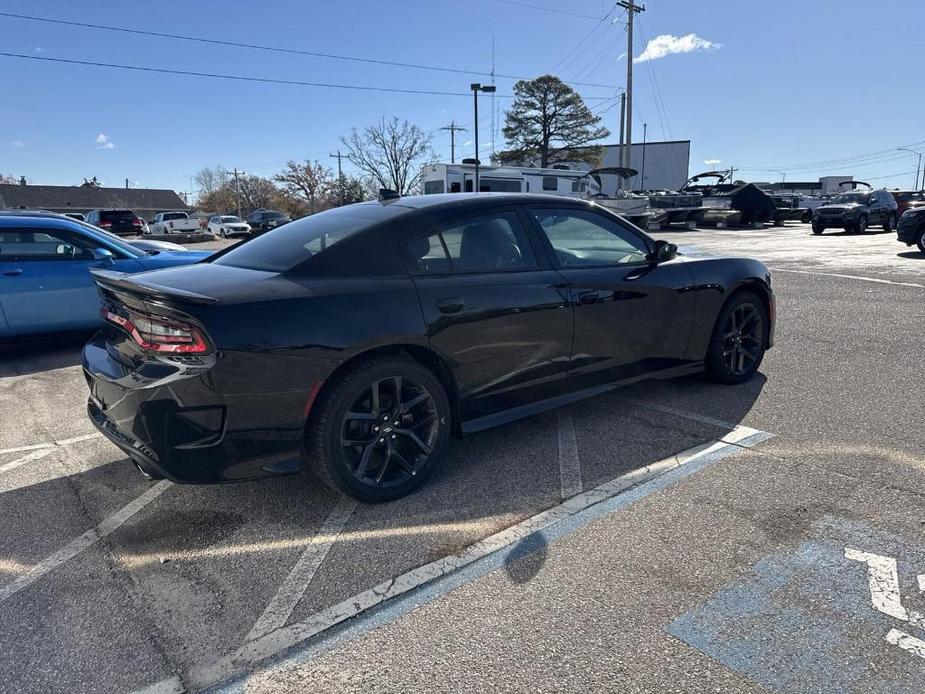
point(791, 86)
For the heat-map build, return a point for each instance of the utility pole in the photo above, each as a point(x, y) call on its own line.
point(453, 128)
point(338, 156)
point(642, 175)
point(622, 134)
point(631, 9)
point(237, 190)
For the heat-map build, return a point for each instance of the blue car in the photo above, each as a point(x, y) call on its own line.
point(45, 262)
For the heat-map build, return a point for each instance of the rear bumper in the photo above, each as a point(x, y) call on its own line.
point(180, 426)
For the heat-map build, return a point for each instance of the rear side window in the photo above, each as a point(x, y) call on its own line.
point(117, 216)
point(487, 243)
point(287, 246)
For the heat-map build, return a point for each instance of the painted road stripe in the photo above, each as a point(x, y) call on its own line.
point(88, 539)
point(28, 458)
point(40, 450)
point(293, 588)
point(850, 277)
point(906, 642)
point(570, 482)
point(457, 569)
point(883, 577)
point(687, 415)
point(173, 685)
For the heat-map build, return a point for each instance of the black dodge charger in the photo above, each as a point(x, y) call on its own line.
point(358, 340)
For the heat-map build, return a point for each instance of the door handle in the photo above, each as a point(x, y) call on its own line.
point(452, 304)
point(13, 273)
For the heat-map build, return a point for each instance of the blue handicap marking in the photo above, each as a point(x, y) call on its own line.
point(842, 611)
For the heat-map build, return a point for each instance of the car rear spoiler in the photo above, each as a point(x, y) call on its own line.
point(126, 282)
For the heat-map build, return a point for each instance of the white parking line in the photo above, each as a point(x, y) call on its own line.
point(693, 417)
point(282, 604)
point(88, 539)
point(567, 516)
point(28, 458)
point(906, 642)
point(851, 277)
point(40, 450)
point(570, 482)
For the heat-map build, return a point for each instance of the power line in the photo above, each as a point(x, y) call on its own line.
point(548, 9)
point(843, 160)
point(660, 109)
point(559, 65)
point(274, 49)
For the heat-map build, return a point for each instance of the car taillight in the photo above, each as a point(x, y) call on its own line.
point(105, 225)
point(203, 223)
point(136, 222)
point(160, 335)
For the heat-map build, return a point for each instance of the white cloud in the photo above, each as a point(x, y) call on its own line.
point(666, 44)
point(103, 142)
point(18, 144)
point(711, 162)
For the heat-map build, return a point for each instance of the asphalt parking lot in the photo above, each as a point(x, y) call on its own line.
point(672, 536)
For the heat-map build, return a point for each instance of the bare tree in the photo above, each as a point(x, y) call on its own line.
point(211, 179)
point(308, 181)
point(391, 152)
point(8, 180)
point(256, 192)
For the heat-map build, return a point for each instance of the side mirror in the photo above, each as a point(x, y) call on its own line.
point(663, 252)
point(103, 254)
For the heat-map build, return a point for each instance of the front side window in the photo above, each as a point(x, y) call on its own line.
point(24, 244)
point(487, 243)
point(586, 238)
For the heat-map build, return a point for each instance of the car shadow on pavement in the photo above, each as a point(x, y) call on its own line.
point(915, 255)
point(24, 357)
point(205, 561)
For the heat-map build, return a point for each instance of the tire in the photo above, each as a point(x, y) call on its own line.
point(385, 460)
point(861, 225)
point(738, 342)
point(890, 224)
point(818, 229)
point(920, 241)
point(807, 217)
point(221, 232)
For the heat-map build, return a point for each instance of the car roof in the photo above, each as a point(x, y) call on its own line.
point(463, 202)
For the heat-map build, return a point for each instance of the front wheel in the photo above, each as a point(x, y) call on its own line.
point(818, 229)
point(861, 226)
point(380, 429)
point(890, 224)
point(920, 241)
point(738, 342)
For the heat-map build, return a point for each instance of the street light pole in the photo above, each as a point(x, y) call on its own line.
point(918, 167)
point(476, 88)
point(642, 175)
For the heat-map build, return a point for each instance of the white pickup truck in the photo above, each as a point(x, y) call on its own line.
point(175, 223)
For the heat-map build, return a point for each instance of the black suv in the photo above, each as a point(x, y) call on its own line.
point(121, 222)
point(264, 220)
point(856, 210)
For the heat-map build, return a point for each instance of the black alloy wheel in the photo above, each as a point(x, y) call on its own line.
point(380, 430)
point(861, 226)
point(920, 241)
point(890, 224)
point(738, 343)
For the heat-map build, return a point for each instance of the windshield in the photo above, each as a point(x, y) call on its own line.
point(117, 216)
point(284, 248)
point(231, 219)
point(274, 215)
point(845, 198)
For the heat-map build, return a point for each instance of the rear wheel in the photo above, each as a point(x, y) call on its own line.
point(890, 224)
point(738, 342)
point(379, 430)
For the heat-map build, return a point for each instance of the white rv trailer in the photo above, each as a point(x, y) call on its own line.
point(460, 178)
